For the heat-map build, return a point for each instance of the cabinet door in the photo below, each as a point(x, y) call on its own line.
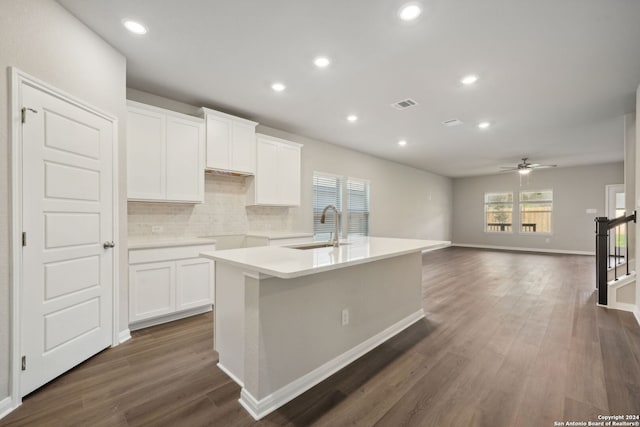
point(243, 148)
point(289, 169)
point(146, 155)
point(152, 290)
point(267, 175)
point(194, 286)
point(185, 151)
point(218, 142)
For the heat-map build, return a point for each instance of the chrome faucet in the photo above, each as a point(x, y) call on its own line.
point(324, 217)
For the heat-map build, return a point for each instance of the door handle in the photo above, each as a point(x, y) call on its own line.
point(108, 245)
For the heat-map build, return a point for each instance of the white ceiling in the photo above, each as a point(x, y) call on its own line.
point(555, 76)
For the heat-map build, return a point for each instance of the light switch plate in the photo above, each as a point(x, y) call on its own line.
point(592, 211)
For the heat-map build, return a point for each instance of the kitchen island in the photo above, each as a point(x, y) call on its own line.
point(286, 318)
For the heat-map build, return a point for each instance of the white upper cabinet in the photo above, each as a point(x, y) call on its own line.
point(277, 179)
point(185, 154)
point(146, 158)
point(231, 143)
point(289, 174)
point(165, 155)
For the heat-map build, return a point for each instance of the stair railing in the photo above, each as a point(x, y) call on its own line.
point(603, 254)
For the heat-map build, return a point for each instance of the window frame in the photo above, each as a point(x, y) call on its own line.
point(341, 180)
point(367, 182)
point(344, 203)
point(535, 233)
point(484, 211)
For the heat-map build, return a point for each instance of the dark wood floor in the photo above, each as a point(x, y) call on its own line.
point(510, 339)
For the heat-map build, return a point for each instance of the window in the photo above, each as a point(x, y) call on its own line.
point(535, 211)
point(498, 212)
point(332, 190)
point(327, 190)
point(357, 207)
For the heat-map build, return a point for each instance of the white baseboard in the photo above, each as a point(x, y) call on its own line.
point(124, 336)
point(520, 249)
point(168, 318)
point(622, 306)
point(7, 406)
point(446, 244)
point(636, 313)
point(230, 374)
point(260, 408)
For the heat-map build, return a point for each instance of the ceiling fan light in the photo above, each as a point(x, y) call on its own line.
point(524, 171)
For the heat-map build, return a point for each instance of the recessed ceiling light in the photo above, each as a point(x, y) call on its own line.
point(134, 26)
point(484, 125)
point(278, 87)
point(322, 61)
point(352, 118)
point(469, 80)
point(410, 11)
point(402, 143)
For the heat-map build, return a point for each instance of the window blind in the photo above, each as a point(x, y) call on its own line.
point(358, 207)
point(327, 190)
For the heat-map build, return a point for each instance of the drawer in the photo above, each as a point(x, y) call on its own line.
point(139, 256)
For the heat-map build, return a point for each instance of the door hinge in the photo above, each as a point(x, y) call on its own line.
point(24, 363)
point(24, 238)
point(23, 113)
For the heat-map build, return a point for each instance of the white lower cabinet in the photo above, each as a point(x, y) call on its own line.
point(194, 278)
point(152, 290)
point(164, 282)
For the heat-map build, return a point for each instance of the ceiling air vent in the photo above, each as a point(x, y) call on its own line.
point(404, 104)
point(452, 122)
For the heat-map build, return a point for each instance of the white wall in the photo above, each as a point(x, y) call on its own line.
point(630, 177)
point(223, 212)
point(405, 202)
point(42, 39)
point(637, 199)
point(575, 189)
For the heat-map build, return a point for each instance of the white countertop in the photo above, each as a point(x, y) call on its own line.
point(168, 243)
point(275, 235)
point(286, 262)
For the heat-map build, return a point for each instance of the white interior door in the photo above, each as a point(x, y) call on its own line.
point(66, 300)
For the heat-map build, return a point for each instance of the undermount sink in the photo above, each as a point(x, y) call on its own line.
point(315, 245)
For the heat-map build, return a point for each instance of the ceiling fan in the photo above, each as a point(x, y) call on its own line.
point(525, 167)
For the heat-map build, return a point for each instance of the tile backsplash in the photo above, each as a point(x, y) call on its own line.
point(224, 211)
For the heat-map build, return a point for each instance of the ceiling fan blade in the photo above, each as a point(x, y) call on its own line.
point(525, 167)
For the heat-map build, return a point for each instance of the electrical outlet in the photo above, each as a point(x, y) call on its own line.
point(345, 317)
point(157, 229)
